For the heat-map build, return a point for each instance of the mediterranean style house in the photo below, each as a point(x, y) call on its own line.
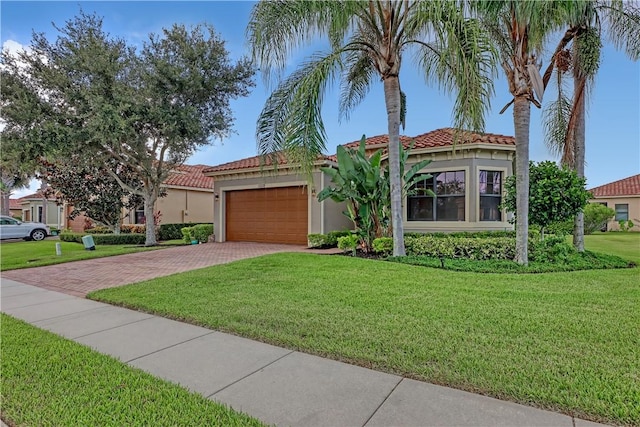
point(189, 198)
point(624, 197)
point(259, 201)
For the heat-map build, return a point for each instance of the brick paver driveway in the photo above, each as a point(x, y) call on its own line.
point(81, 277)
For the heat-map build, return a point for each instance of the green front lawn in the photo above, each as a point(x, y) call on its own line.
point(48, 380)
point(14, 255)
point(562, 341)
point(625, 245)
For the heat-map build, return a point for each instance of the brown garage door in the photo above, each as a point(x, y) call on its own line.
point(273, 215)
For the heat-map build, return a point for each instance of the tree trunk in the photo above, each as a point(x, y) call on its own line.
point(521, 120)
point(579, 135)
point(149, 203)
point(7, 186)
point(6, 195)
point(392, 101)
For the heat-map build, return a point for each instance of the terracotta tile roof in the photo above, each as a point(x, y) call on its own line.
point(252, 163)
point(190, 176)
point(15, 204)
point(36, 195)
point(624, 187)
point(437, 138)
point(445, 137)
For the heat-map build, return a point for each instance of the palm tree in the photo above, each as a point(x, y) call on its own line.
point(579, 53)
point(519, 29)
point(367, 39)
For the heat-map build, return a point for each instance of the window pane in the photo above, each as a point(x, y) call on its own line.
point(491, 182)
point(449, 188)
point(450, 208)
point(622, 212)
point(490, 208)
point(420, 209)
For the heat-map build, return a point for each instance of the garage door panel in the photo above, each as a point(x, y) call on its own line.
point(274, 215)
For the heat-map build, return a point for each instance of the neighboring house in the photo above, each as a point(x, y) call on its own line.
point(624, 197)
point(31, 209)
point(189, 198)
point(15, 208)
point(255, 201)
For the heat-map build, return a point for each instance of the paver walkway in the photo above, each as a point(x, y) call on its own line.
point(81, 277)
point(276, 385)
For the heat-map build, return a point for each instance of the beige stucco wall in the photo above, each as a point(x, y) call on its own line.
point(323, 216)
point(182, 205)
point(634, 210)
point(55, 214)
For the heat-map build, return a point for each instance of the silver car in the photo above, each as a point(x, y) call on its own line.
point(11, 228)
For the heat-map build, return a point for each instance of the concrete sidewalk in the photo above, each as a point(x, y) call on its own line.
point(273, 384)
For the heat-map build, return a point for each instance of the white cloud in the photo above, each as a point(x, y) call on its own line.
point(13, 47)
point(34, 185)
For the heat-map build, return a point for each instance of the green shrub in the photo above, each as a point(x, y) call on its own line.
point(332, 237)
point(560, 228)
point(383, 245)
point(172, 231)
point(133, 229)
point(596, 217)
point(461, 247)
point(202, 232)
point(100, 229)
point(349, 243)
point(625, 225)
point(198, 232)
point(106, 239)
point(317, 240)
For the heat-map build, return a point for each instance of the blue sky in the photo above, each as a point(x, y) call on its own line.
point(613, 120)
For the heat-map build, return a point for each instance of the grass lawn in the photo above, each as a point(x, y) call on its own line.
point(15, 255)
point(625, 245)
point(561, 341)
point(48, 380)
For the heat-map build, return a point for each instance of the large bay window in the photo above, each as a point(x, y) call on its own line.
point(490, 185)
point(447, 203)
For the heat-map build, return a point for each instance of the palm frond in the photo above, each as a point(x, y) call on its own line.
point(556, 120)
point(277, 28)
point(461, 59)
point(356, 81)
point(291, 121)
point(622, 25)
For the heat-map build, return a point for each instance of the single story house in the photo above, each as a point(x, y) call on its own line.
point(624, 197)
point(32, 208)
point(188, 198)
point(257, 201)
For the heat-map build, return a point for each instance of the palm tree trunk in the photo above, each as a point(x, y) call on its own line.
point(392, 101)
point(579, 154)
point(521, 120)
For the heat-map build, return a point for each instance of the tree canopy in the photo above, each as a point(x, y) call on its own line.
point(555, 194)
point(148, 109)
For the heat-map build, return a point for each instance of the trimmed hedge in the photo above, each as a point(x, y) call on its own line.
point(173, 231)
point(329, 240)
point(199, 232)
point(106, 239)
point(476, 248)
point(383, 245)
